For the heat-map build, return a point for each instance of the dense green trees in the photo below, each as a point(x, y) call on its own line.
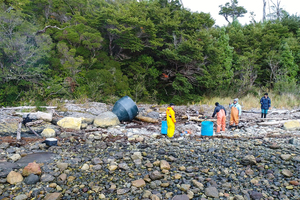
point(153, 51)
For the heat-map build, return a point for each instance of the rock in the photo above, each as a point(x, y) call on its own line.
point(147, 194)
point(294, 141)
point(32, 168)
point(47, 178)
point(62, 166)
point(4, 145)
point(21, 197)
point(286, 156)
point(156, 175)
point(112, 167)
point(53, 196)
point(123, 191)
point(154, 197)
point(180, 197)
point(14, 177)
point(70, 123)
point(198, 184)
point(48, 133)
point(85, 167)
point(123, 166)
point(138, 183)
point(256, 195)
point(62, 177)
point(137, 156)
point(15, 157)
point(212, 192)
point(164, 165)
point(249, 160)
point(177, 176)
point(291, 125)
point(238, 197)
point(185, 187)
point(153, 114)
point(287, 173)
point(106, 119)
point(32, 179)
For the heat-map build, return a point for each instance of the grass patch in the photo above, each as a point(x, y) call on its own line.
point(250, 101)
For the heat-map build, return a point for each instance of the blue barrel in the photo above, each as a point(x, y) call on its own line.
point(125, 109)
point(207, 128)
point(164, 127)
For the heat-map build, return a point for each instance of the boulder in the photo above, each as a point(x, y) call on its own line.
point(48, 133)
point(291, 125)
point(32, 168)
point(106, 119)
point(14, 177)
point(70, 123)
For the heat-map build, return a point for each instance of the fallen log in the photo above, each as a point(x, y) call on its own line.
point(33, 131)
point(146, 119)
point(201, 120)
point(275, 122)
point(28, 107)
point(34, 123)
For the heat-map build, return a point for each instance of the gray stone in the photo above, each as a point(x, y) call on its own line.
point(47, 178)
point(249, 160)
point(212, 192)
point(21, 197)
point(153, 114)
point(106, 119)
point(32, 179)
point(180, 197)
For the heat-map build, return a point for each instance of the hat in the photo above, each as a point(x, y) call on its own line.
point(217, 103)
point(236, 99)
point(172, 104)
point(266, 93)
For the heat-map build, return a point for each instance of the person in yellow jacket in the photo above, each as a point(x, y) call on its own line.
point(171, 121)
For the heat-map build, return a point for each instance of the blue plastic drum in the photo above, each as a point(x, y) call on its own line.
point(207, 128)
point(125, 109)
point(164, 127)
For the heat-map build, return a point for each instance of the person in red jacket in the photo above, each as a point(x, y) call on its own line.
point(171, 121)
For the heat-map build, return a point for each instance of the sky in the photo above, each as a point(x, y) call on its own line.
point(256, 6)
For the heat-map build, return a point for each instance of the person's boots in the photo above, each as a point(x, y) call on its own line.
point(262, 115)
point(265, 115)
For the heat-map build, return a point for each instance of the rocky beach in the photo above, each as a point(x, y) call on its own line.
point(99, 157)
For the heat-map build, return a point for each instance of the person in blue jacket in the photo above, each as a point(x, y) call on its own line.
point(265, 102)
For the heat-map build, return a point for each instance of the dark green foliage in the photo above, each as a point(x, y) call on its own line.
point(153, 51)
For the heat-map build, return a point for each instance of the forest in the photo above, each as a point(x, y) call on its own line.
point(155, 51)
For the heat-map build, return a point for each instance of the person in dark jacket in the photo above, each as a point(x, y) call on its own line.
point(265, 102)
point(221, 116)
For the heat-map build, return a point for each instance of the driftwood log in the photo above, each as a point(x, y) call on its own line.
point(28, 107)
point(275, 122)
point(146, 119)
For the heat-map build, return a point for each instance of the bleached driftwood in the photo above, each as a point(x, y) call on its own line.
point(19, 131)
point(28, 107)
point(146, 119)
point(201, 120)
point(34, 123)
point(275, 122)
